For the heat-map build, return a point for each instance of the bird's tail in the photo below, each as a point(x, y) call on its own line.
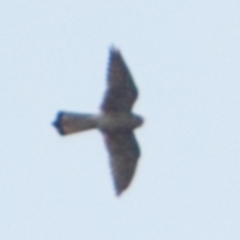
point(67, 123)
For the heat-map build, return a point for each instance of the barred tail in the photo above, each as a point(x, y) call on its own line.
point(67, 123)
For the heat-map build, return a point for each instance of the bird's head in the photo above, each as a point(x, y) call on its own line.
point(138, 120)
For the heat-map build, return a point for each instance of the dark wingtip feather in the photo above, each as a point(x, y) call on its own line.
point(57, 123)
point(118, 193)
point(119, 190)
point(114, 50)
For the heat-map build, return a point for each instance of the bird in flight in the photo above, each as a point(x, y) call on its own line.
point(115, 121)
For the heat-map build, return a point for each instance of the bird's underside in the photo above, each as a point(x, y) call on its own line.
point(116, 122)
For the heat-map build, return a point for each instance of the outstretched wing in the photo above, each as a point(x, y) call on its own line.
point(121, 91)
point(124, 153)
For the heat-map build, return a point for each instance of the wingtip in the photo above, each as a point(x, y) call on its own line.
point(119, 191)
point(118, 194)
point(114, 49)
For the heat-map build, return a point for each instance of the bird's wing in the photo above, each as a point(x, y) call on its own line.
point(124, 153)
point(121, 90)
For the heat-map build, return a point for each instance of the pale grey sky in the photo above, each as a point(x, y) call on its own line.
point(185, 58)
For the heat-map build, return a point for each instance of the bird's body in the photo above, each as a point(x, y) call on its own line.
point(116, 122)
point(120, 121)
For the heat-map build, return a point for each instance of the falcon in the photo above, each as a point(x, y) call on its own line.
point(115, 121)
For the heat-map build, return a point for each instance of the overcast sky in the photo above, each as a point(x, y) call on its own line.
point(185, 59)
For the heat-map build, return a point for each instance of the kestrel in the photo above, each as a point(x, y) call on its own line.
point(116, 121)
